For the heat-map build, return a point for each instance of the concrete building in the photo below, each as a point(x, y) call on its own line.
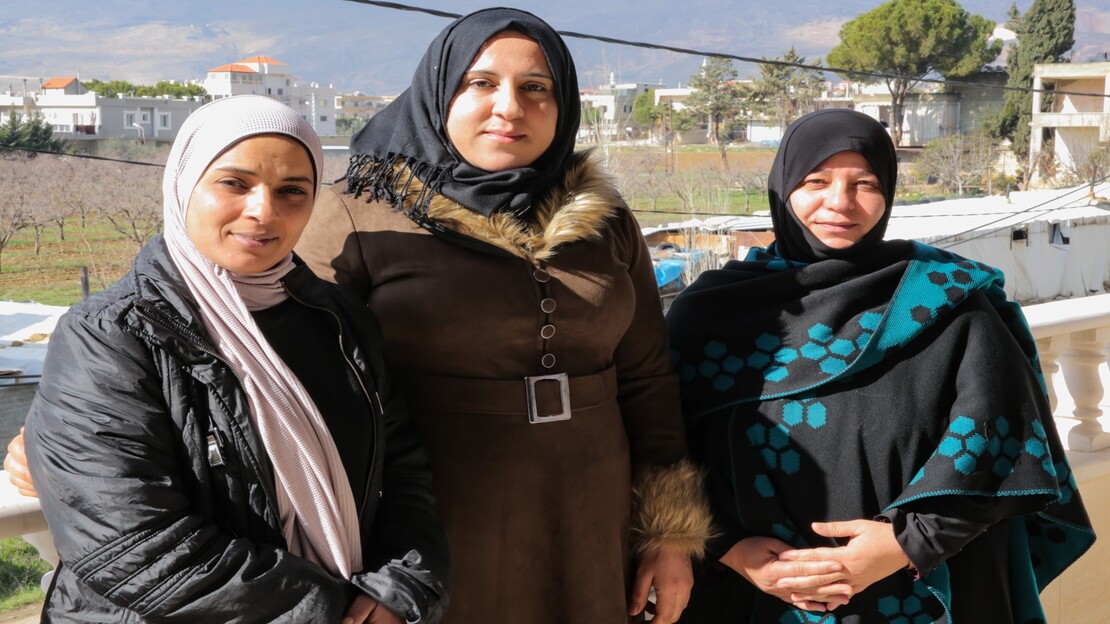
point(358, 105)
point(607, 111)
point(1074, 125)
point(263, 75)
point(84, 118)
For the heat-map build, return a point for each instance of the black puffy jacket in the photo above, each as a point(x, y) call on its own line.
point(159, 494)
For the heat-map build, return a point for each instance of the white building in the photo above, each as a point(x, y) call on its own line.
point(607, 110)
point(262, 75)
point(1076, 124)
point(83, 117)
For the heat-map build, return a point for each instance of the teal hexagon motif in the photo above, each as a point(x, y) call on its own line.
point(1012, 447)
point(770, 457)
point(763, 486)
point(832, 366)
point(776, 373)
point(863, 340)
point(950, 447)
point(966, 463)
point(1038, 429)
point(919, 476)
point(782, 531)
point(785, 356)
point(1002, 426)
point(889, 606)
point(923, 618)
point(813, 351)
point(732, 364)
point(821, 332)
point(778, 438)
point(976, 443)
point(793, 413)
point(816, 415)
point(843, 347)
point(715, 349)
point(757, 435)
point(911, 605)
point(790, 461)
point(722, 383)
point(1035, 447)
point(1003, 466)
point(708, 368)
point(870, 320)
point(767, 342)
point(759, 359)
point(962, 425)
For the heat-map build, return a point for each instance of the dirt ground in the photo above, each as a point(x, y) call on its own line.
point(24, 615)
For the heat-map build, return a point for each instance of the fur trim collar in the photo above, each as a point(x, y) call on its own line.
point(575, 210)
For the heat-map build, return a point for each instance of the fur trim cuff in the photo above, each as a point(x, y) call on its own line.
point(670, 508)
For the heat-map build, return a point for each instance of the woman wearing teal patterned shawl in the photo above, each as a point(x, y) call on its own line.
point(871, 414)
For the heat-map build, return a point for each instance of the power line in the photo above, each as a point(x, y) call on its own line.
point(86, 156)
point(746, 59)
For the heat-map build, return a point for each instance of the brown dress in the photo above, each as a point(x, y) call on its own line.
point(538, 514)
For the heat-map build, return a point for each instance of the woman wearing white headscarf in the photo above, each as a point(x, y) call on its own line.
point(215, 437)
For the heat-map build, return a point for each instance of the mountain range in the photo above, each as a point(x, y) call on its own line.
point(357, 46)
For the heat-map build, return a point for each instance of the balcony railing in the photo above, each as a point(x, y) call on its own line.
point(1073, 337)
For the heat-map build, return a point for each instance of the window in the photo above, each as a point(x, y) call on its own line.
point(323, 117)
point(164, 121)
point(144, 117)
point(269, 91)
point(281, 91)
point(129, 119)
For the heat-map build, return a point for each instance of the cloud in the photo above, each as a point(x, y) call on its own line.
point(817, 35)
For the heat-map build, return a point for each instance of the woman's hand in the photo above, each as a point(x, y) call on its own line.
point(366, 610)
point(872, 554)
point(16, 465)
point(668, 570)
point(759, 560)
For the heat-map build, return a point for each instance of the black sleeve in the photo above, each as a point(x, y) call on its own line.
point(106, 460)
point(932, 530)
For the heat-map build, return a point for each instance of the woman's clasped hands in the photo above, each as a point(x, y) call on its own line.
point(824, 578)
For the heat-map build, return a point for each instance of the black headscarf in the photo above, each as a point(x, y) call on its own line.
point(413, 128)
point(807, 143)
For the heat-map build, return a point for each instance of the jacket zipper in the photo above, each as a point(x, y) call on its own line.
point(375, 402)
point(172, 325)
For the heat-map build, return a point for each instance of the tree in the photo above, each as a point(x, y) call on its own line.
point(1089, 164)
point(958, 161)
point(135, 209)
point(1045, 33)
point(716, 96)
point(911, 39)
point(114, 88)
point(782, 93)
point(33, 133)
point(646, 113)
point(16, 190)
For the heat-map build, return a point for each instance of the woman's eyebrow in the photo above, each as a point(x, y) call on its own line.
point(250, 172)
point(486, 72)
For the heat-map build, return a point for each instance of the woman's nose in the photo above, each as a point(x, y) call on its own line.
point(507, 103)
point(260, 204)
point(838, 196)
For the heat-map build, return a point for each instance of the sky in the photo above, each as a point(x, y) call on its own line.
point(374, 50)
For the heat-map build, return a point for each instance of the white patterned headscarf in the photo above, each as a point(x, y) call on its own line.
point(318, 513)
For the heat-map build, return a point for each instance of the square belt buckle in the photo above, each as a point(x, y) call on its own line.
point(534, 415)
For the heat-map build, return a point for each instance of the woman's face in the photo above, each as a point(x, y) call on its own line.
point(840, 201)
point(252, 203)
point(504, 113)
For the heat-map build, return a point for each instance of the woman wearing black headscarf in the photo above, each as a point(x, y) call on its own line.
point(522, 320)
point(872, 414)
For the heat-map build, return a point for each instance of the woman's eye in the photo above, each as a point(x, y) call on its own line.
point(535, 86)
point(481, 83)
point(294, 190)
point(231, 183)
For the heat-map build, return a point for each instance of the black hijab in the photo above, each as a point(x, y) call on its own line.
point(413, 128)
point(807, 143)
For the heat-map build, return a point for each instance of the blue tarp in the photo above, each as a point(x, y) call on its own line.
point(668, 270)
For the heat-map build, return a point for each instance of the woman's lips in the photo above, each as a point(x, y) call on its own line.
point(254, 240)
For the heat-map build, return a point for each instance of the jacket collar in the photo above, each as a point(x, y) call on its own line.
point(575, 210)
